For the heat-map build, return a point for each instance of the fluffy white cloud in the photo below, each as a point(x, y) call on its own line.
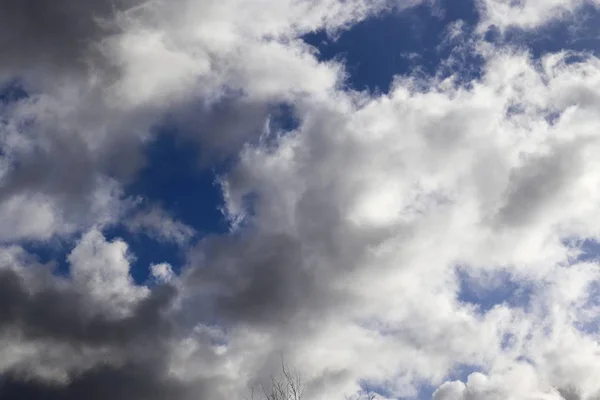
point(383, 197)
point(101, 269)
point(162, 272)
point(519, 384)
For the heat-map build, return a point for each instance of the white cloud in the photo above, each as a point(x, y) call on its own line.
point(25, 217)
point(101, 269)
point(385, 196)
point(205, 47)
point(528, 14)
point(518, 384)
point(162, 272)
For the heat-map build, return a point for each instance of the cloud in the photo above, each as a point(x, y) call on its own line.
point(354, 222)
point(528, 14)
point(157, 224)
point(382, 197)
point(124, 382)
point(69, 155)
point(102, 270)
point(54, 36)
point(480, 386)
point(162, 272)
point(67, 337)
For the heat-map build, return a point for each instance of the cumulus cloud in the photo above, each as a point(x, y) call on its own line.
point(162, 272)
point(479, 386)
point(384, 197)
point(102, 269)
point(352, 235)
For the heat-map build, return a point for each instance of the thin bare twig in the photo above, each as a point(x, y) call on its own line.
point(288, 386)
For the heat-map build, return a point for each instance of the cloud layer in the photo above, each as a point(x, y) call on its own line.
point(428, 239)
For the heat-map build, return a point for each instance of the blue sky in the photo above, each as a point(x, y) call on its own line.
point(395, 43)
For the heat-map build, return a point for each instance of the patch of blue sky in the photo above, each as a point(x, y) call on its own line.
point(52, 252)
point(486, 290)
point(588, 320)
point(283, 118)
point(412, 41)
point(415, 42)
point(589, 250)
point(280, 121)
point(11, 91)
point(368, 388)
point(174, 180)
point(425, 391)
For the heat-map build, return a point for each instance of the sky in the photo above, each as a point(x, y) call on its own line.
point(396, 198)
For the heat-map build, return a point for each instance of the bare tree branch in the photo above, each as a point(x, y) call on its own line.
point(289, 386)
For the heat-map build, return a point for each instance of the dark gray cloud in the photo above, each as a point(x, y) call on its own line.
point(80, 181)
point(256, 281)
point(53, 35)
point(47, 47)
point(570, 393)
point(220, 129)
point(56, 313)
point(131, 381)
point(61, 161)
point(63, 314)
point(539, 181)
point(67, 166)
point(271, 279)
